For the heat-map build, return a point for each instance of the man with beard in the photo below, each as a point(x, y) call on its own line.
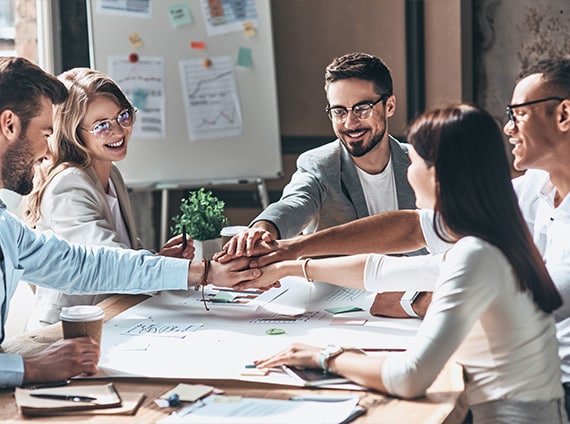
point(361, 173)
point(27, 95)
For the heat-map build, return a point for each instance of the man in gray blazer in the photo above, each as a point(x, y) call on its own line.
point(361, 173)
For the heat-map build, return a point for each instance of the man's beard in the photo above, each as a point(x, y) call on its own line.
point(360, 150)
point(17, 166)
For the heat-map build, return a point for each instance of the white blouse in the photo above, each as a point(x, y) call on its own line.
point(505, 343)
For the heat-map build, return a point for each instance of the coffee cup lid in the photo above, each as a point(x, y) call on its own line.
point(81, 313)
point(232, 230)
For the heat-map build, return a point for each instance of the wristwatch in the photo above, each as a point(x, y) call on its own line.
point(327, 354)
point(406, 302)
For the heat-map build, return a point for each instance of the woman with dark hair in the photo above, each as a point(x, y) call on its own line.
point(492, 296)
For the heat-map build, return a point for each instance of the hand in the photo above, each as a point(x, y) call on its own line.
point(243, 244)
point(268, 277)
point(175, 249)
point(230, 273)
point(275, 251)
point(62, 360)
point(297, 355)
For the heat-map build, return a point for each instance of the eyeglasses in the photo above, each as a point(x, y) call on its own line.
point(362, 110)
point(511, 115)
point(102, 129)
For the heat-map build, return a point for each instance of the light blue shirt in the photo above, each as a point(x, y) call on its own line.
point(46, 260)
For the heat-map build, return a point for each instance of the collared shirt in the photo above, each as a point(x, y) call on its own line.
point(550, 228)
point(46, 260)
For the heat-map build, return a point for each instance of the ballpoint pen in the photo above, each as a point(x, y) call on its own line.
point(184, 239)
point(73, 398)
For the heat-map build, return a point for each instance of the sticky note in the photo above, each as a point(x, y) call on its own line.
point(254, 372)
point(348, 321)
point(189, 392)
point(244, 57)
point(343, 309)
point(139, 98)
point(248, 29)
point(179, 14)
point(198, 45)
point(136, 40)
point(223, 297)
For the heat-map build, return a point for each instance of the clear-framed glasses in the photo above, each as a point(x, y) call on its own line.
point(102, 129)
point(362, 110)
point(511, 116)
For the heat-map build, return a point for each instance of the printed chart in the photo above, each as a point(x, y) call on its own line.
point(210, 98)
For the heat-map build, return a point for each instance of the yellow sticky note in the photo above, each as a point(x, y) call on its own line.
point(189, 392)
point(248, 29)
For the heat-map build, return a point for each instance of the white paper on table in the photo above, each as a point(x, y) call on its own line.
point(232, 410)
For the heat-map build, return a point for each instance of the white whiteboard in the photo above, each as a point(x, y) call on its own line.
point(172, 158)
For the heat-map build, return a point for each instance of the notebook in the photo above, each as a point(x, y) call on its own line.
point(103, 396)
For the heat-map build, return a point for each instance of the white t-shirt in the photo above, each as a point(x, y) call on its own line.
point(550, 228)
point(505, 343)
point(379, 189)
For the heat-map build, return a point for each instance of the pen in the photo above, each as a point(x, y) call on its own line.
point(184, 240)
point(73, 398)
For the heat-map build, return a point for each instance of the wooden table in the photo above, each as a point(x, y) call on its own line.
point(443, 403)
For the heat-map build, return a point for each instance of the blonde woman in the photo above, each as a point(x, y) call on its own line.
point(79, 193)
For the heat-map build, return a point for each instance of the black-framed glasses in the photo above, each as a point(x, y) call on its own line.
point(362, 110)
point(511, 115)
point(102, 129)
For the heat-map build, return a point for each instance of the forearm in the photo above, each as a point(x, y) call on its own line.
point(347, 271)
point(390, 232)
point(359, 368)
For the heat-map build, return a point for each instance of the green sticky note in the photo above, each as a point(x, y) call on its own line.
point(179, 14)
point(245, 59)
point(343, 309)
point(223, 297)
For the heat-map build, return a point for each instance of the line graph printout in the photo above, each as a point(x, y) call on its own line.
point(210, 98)
point(143, 83)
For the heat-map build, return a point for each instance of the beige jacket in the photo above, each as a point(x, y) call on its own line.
point(75, 207)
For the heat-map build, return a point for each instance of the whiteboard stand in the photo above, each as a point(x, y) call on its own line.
point(261, 189)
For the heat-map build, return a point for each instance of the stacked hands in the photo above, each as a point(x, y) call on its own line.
point(263, 254)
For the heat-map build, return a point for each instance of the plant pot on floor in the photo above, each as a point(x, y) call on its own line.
point(206, 248)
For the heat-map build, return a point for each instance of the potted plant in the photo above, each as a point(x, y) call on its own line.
point(202, 216)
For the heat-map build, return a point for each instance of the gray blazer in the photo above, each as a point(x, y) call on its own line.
point(325, 190)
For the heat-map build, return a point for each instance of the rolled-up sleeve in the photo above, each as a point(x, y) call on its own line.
point(11, 370)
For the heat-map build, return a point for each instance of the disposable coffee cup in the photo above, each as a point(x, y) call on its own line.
point(82, 321)
point(228, 232)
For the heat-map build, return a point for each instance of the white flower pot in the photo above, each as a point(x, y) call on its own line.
point(206, 248)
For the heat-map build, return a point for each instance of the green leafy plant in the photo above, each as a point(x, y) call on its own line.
point(202, 214)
